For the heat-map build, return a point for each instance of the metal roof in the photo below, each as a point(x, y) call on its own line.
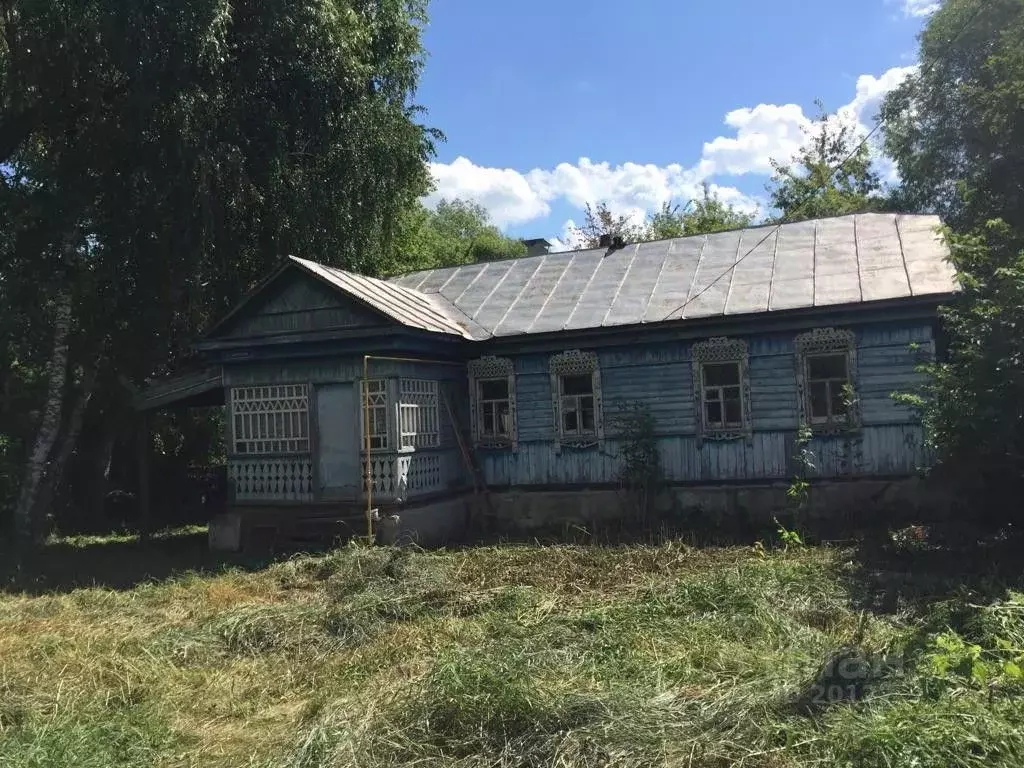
point(408, 307)
point(824, 262)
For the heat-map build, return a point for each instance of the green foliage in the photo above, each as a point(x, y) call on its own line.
point(455, 232)
point(798, 493)
point(954, 127)
point(831, 176)
point(955, 131)
point(599, 220)
point(698, 217)
point(990, 657)
point(971, 402)
point(509, 656)
point(641, 473)
point(158, 159)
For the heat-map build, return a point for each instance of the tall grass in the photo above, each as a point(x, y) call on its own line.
point(509, 656)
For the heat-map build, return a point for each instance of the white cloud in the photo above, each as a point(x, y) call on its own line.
point(870, 92)
point(504, 192)
point(920, 8)
point(762, 133)
point(776, 132)
point(631, 189)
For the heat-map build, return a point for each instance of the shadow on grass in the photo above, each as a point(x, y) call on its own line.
point(956, 561)
point(118, 562)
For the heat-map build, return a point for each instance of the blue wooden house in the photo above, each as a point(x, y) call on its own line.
point(412, 395)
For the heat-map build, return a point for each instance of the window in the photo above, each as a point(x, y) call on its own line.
point(374, 407)
point(270, 419)
point(723, 401)
point(721, 389)
point(826, 381)
point(417, 414)
point(492, 391)
point(825, 365)
point(495, 415)
point(576, 395)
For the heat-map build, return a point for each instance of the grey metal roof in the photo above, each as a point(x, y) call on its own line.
point(824, 262)
point(408, 307)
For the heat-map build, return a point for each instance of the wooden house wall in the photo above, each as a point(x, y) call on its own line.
point(660, 377)
point(321, 372)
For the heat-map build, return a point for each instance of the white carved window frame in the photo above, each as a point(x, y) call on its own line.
point(826, 341)
point(576, 363)
point(717, 351)
point(270, 419)
point(490, 368)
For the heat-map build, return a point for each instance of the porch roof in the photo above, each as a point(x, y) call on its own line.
point(192, 389)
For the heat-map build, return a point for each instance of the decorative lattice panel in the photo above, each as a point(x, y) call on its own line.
point(373, 404)
point(398, 477)
point(270, 419)
point(271, 479)
point(418, 421)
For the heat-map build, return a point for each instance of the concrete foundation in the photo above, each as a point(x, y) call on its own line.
point(834, 506)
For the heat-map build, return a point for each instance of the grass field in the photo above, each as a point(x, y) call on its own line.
point(513, 656)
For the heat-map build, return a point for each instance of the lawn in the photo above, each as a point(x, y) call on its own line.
point(514, 656)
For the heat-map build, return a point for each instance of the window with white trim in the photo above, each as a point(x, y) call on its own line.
point(373, 405)
point(576, 394)
point(826, 362)
point(418, 420)
point(492, 392)
point(721, 389)
point(270, 419)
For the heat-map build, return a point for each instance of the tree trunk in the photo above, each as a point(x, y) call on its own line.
point(52, 478)
point(56, 373)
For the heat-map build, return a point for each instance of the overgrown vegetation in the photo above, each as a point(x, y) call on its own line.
point(523, 656)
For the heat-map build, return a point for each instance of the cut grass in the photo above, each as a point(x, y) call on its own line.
point(503, 656)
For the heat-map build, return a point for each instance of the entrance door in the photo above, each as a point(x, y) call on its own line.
point(338, 423)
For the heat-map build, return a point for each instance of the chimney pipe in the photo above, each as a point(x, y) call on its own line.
point(604, 241)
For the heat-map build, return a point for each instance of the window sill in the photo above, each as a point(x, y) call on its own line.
point(581, 443)
point(725, 434)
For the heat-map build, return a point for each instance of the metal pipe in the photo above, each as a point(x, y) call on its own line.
point(366, 422)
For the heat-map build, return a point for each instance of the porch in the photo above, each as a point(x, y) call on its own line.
point(308, 461)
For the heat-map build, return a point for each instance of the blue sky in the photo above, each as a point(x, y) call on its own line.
point(550, 103)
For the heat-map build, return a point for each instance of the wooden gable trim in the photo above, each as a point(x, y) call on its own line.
point(250, 298)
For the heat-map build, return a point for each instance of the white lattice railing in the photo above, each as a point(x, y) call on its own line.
point(402, 476)
point(263, 478)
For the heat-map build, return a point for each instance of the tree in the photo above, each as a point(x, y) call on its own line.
point(698, 217)
point(955, 128)
point(956, 131)
point(182, 149)
point(455, 232)
point(599, 220)
point(831, 175)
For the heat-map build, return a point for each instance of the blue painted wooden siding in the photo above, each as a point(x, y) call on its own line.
point(453, 386)
point(661, 378)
